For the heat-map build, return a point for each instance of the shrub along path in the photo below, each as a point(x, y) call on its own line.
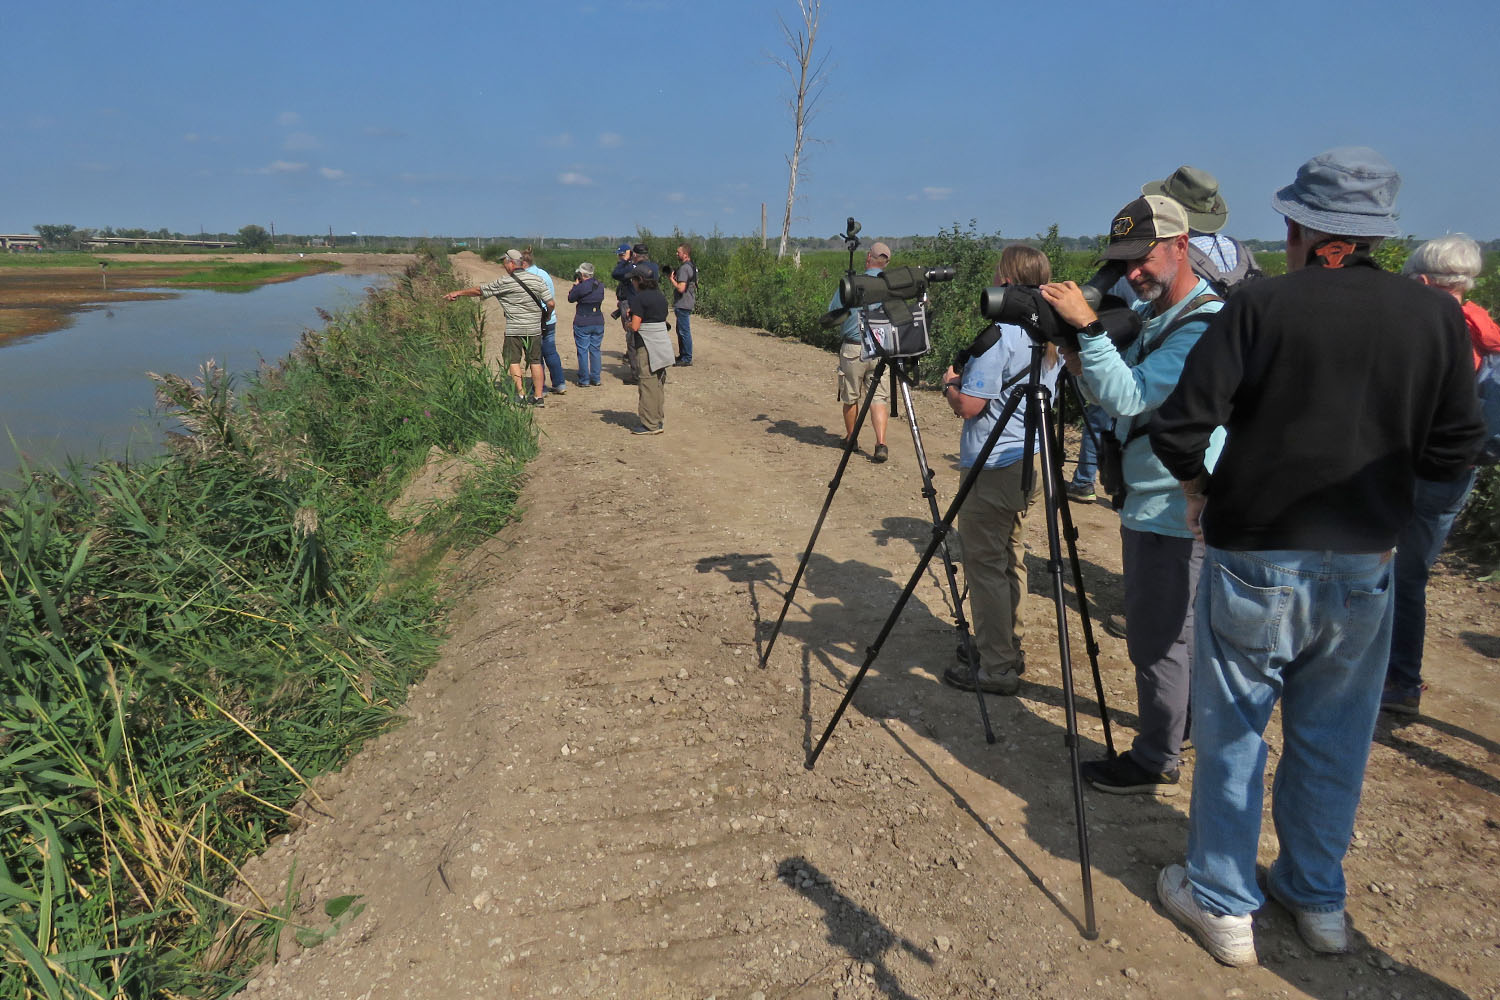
point(600, 793)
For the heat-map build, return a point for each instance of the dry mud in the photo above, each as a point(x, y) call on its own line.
point(600, 793)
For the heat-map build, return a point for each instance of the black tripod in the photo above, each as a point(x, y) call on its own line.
point(903, 371)
point(1038, 421)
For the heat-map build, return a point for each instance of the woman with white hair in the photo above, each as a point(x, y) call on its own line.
point(1449, 263)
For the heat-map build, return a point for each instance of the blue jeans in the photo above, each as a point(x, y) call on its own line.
point(1099, 422)
point(1435, 507)
point(588, 340)
point(550, 358)
point(1312, 629)
point(684, 334)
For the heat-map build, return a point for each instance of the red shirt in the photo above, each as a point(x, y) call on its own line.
point(1484, 335)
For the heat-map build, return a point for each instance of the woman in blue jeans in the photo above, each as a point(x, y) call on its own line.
point(588, 322)
point(550, 359)
point(1450, 263)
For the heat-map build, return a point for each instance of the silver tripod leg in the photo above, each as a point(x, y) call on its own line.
point(949, 572)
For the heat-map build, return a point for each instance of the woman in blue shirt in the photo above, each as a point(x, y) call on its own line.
point(992, 520)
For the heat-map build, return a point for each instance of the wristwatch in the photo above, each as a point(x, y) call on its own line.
point(1093, 329)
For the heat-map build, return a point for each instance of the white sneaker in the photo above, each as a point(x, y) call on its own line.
point(1322, 932)
point(1229, 939)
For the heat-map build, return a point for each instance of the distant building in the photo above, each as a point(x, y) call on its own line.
point(20, 242)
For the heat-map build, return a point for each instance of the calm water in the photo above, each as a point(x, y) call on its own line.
point(82, 392)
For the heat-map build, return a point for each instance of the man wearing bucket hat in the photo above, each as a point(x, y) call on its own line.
point(1338, 384)
point(1160, 556)
point(1222, 261)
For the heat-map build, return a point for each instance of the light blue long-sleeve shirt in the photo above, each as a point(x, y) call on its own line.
point(1130, 390)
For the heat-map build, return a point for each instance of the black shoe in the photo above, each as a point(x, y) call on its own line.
point(680, 363)
point(1082, 492)
point(965, 664)
point(1115, 626)
point(990, 682)
point(881, 453)
point(1123, 776)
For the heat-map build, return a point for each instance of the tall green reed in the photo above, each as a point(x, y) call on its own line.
point(185, 643)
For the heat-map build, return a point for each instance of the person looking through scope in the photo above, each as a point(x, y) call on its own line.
point(855, 372)
point(993, 518)
point(1160, 556)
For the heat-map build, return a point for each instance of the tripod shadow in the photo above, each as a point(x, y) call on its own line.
point(749, 569)
point(851, 928)
point(803, 433)
point(1131, 838)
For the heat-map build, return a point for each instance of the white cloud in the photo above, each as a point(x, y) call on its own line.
point(190, 137)
point(288, 118)
point(300, 141)
point(611, 140)
point(936, 193)
point(676, 197)
point(331, 173)
point(383, 132)
point(574, 179)
point(561, 141)
point(280, 167)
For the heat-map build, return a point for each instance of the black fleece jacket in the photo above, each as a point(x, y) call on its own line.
point(1337, 386)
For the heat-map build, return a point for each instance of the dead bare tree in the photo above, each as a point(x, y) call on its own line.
point(809, 79)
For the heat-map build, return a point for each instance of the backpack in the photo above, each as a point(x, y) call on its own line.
point(1487, 384)
point(1223, 282)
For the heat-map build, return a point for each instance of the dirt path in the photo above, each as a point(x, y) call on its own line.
point(599, 793)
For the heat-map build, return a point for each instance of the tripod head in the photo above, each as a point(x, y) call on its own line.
point(850, 236)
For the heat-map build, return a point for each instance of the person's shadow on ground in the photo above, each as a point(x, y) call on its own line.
point(851, 928)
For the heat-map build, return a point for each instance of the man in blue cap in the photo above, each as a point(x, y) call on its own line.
point(1338, 384)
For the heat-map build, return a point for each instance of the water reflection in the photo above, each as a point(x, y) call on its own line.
point(82, 392)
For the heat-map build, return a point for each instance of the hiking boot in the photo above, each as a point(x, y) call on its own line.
point(1082, 492)
point(990, 681)
point(1125, 776)
point(1401, 701)
point(1115, 626)
point(1229, 939)
point(1323, 932)
point(965, 664)
point(881, 453)
point(643, 429)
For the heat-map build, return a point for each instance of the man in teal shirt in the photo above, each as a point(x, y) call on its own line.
point(1160, 556)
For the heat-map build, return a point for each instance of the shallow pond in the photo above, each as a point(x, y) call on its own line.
point(82, 392)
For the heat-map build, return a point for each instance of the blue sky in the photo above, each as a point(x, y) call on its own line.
point(456, 118)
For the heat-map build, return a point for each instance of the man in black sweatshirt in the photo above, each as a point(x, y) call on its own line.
point(1338, 384)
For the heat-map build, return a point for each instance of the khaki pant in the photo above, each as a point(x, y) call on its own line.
point(651, 389)
point(991, 524)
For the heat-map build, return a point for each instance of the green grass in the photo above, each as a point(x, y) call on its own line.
point(185, 643)
point(249, 273)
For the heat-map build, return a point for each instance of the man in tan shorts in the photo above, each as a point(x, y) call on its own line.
point(855, 372)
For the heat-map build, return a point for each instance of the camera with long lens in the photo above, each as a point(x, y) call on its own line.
point(1024, 306)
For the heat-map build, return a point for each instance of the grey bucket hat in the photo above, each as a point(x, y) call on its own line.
point(1347, 191)
point(1198, 192)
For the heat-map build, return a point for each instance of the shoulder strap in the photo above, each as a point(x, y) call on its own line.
point(539, 303)
point(1188, 314)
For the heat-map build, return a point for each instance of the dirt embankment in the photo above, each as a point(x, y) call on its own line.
point(599, 792)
